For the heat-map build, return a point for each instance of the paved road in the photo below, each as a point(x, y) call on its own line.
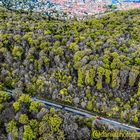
point(83, 113)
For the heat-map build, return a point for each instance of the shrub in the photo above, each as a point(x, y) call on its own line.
point(138, 92)
point(17, 52)
point(81, 76)
point(16, 106)
point(24, 98)
point(133, 74)
point(12, 128)
point(100, 73)
point(23, 119)
point(74, 47)
point(88, 94)
point(28, 133)
point(64, 91)
point(89, 105)
point(115, 79)
point(54, 122)
point(34, 106)
point(107, 76)
point(89, 77)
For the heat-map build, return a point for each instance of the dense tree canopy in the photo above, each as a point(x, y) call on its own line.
point(45, 123)
point(93, 64)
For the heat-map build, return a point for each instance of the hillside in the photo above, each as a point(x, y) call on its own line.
point(93, 64)
point(71, 8)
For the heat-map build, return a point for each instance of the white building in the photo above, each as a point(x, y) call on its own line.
point(108, 2)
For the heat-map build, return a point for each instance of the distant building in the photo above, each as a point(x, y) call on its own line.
point(108, 2)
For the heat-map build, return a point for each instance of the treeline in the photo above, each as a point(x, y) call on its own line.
point(93, 64)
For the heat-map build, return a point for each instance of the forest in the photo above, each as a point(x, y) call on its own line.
point(92, 64)
point(24, 119)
